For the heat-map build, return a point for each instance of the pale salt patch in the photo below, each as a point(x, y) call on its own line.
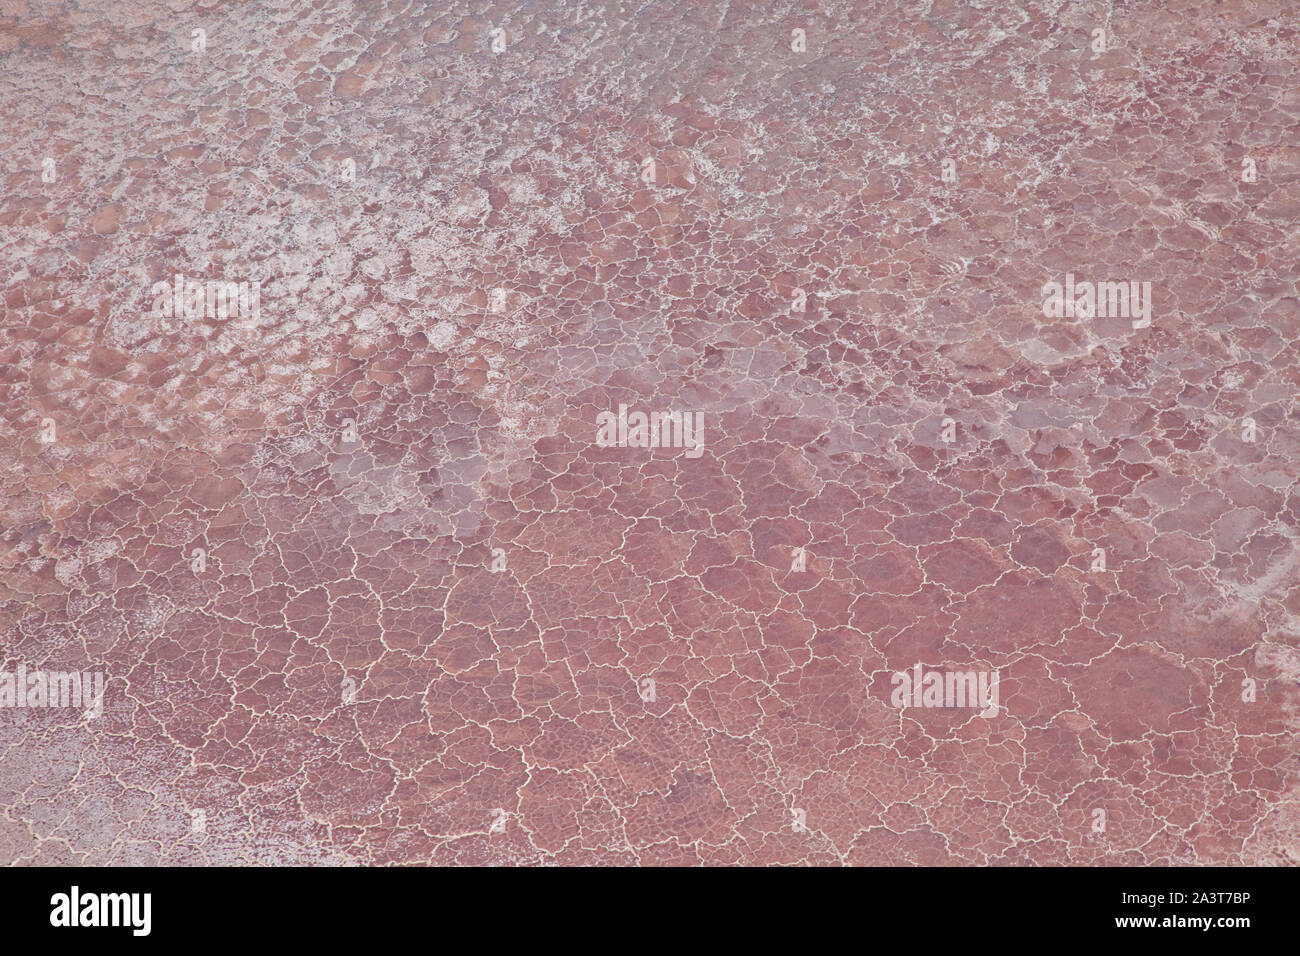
point(298, 444)
point(520, 188)
point(66, 570)
point(442, 335)
point(102, 550)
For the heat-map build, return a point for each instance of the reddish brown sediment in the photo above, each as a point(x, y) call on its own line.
point(472, 632)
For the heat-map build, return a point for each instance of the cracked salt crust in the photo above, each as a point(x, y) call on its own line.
point(518, 688)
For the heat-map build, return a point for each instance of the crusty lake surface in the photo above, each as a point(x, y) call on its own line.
point(366, 588)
